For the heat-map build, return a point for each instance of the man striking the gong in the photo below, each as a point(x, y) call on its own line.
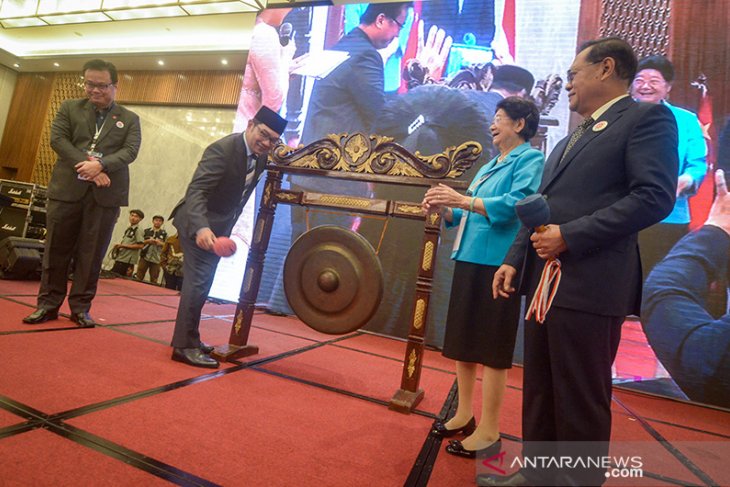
point(222, 184)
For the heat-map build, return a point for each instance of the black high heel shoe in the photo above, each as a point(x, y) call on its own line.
point(440, 430)
point(456, 448)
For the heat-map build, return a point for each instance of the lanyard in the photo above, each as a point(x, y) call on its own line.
point(96, 133)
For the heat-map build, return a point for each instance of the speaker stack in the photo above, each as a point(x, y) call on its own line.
point(22, 229)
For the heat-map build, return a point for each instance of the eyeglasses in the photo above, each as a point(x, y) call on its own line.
point(652, 82)
point(265, 135)
point(400, 26)
point(101, 86)
point(570, 75)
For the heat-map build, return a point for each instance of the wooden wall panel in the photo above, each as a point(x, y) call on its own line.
point(25, 122)
point(192, 88)
point(700, 40)
point(25, 152)
point(65, 86)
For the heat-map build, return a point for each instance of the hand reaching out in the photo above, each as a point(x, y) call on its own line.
point(720, 212)
point(433, 50)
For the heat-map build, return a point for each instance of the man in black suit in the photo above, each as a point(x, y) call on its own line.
point(613, 177)
point(95, 140)
point(224, 180)
point(349, 99)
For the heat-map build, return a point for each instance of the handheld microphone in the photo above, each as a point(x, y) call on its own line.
point(534, 212)
point(285, 31)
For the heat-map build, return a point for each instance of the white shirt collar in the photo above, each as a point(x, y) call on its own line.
point(604, 108)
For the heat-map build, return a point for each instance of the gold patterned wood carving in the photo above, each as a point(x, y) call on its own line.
point(433, 218)
point(249, 277)
point(283, 196)
point(410, 209)
point(376, 154)
point(412, 362)
point(419, 313)
point(267, 194)
point(346, 201)
point(259, 230)
point(427, 256)
point(239, 321)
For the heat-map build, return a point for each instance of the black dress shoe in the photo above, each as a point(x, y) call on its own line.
point(195, 357)
point(514, 480)
point(41, 316)
point(83, 320)
point(205, 348)
point(439, 429)
point(456, 448)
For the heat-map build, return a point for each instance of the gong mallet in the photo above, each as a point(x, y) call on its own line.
point(534, 212)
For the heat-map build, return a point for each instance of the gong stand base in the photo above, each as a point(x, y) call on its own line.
point(228, 352)
point(405, 401)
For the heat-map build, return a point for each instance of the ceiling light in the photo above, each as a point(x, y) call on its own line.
point(52, 7)
point(76, 18)
point(17, 8)
point(224, 62)
point(161, 62)
point(57, 65)
point(16, 65)
point(23, 22)
point(113, 4)
point(205, 8)
point(26, 13)
point(146, 13)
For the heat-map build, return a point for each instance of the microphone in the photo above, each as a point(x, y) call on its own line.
point(533, 211)
point(285, 31)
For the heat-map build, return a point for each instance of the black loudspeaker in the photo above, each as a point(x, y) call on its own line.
point(21, 258)
point(13, 222)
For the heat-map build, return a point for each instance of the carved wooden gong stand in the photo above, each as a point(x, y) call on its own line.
point(364, 158)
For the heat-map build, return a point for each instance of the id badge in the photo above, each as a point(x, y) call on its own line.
point(460, 232)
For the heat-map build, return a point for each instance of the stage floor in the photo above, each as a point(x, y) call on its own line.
point(107, 406)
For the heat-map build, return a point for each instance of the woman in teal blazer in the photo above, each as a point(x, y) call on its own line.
point(480, 329)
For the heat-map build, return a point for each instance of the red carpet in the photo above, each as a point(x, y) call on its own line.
point(310, 415)
point(38, 457)
point(54, 373)
point(362, 373)
point(13, 314)
point(7, 419)
point(252, 429)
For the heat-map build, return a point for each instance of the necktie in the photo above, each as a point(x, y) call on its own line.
point(250, 171)
point(577, 133)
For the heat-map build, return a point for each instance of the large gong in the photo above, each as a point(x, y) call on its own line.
point(333, 279)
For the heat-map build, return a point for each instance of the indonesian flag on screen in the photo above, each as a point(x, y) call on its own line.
point(700, 203)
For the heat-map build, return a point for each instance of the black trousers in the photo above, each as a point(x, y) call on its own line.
point(80, 230)
point(199, 269)
point(567, 391)
point(172, 281)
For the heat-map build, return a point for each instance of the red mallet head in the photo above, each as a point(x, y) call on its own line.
point(224, 247)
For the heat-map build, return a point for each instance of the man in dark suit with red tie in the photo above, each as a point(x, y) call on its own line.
point(222, 184)
point(615, 176)
point(95, 139)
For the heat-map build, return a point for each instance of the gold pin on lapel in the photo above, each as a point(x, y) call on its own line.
point(600, 126)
